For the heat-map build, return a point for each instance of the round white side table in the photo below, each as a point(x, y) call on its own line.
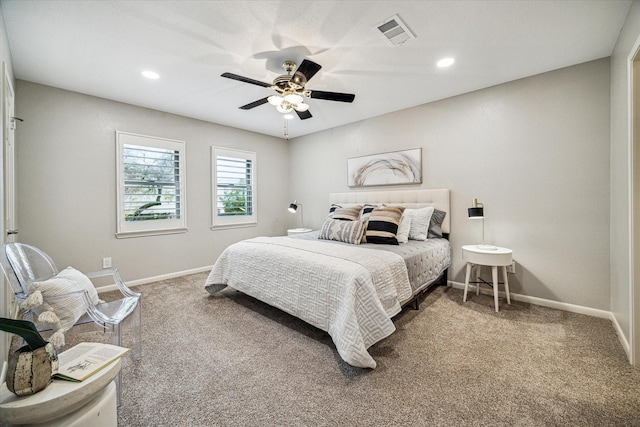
point(294, 231)
point(494, 258)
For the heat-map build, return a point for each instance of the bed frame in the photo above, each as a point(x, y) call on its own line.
point(412, 199)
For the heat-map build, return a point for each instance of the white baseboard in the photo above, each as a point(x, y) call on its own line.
point(623, 340)
point(144, 281)
point(543, 302)
point(604, 314)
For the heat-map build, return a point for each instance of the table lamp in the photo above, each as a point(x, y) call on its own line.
point(293, 207)
point(476, 211)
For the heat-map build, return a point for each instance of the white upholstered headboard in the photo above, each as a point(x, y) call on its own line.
point(420, 198)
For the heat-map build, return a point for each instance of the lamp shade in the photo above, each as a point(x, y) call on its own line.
point(293, 207)
point(476, 213)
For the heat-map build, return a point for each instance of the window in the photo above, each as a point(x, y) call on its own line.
point(234, 188)
point(151, 185)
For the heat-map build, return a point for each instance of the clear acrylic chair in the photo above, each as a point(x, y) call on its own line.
point(23, 264)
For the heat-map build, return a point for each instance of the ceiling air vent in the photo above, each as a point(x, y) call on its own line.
point(395, 31)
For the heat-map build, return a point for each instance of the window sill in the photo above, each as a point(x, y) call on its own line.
point(130, 234)
point(228, 226)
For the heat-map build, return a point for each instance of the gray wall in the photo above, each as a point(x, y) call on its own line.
point(66, 183)
point(534, 151)
point(621, 173)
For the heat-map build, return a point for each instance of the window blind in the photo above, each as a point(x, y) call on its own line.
point(151, 183)
point(234, 192)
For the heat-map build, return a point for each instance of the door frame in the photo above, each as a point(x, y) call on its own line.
point(634, 203)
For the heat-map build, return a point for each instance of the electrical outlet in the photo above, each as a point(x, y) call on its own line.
point(106, 262)
point(511, 268)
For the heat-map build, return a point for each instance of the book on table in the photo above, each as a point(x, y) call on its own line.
point(85, 359)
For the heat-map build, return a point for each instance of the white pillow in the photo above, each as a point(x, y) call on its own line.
point(420, 219)
point(47, 300)
point(403, 230)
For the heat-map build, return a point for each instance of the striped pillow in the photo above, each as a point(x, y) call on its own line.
point(364, 217)
point(342, 231)
point(333, 208)
point(383, 225)
point(366, 211)
point(350, 214)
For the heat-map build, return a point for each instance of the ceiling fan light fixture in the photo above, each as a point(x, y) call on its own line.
point(284, 108)
point(301, 107)
point(275, 100)
point(298, 80)
point(293, 98)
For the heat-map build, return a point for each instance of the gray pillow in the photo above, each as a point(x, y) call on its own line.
point(435, 225)
point(342, 231)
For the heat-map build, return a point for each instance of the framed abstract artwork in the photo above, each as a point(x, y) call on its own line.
point(397, 167)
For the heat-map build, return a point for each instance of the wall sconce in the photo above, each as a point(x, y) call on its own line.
point(476, 211)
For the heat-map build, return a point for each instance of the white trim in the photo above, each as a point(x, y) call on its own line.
point(633, 344)
point(623, 340)
point(127, 229)
point(594, 312)
point(228, 226)
point(146, 280)
point(130, 234)
point(222, 222)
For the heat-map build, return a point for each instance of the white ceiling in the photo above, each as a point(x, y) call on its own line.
point(100, 47)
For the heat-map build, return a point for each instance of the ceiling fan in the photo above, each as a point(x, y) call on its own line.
point(291, 90)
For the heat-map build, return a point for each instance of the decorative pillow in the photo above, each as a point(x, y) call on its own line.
point(350, 214)
point(342, 231)
point(435, 226)
point(47, 299)
point(403, 230)
point(366, 211)
point(383, 224)
point(364, 217)
point(332, 208)
point(420, 220)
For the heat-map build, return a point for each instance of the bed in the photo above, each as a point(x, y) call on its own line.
point(351, 289)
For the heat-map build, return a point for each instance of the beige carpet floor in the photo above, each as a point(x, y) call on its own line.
point(234, 361)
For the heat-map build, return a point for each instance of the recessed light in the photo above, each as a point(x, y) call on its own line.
point(151, 74)
point(288, 116)
point(445, 62)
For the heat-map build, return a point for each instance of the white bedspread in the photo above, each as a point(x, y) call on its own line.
point(348, 291)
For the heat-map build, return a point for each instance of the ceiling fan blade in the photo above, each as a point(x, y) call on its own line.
point(245, 79)
point(303, 114)
point(308, 68)
point(254, 104)
point(332, 96)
